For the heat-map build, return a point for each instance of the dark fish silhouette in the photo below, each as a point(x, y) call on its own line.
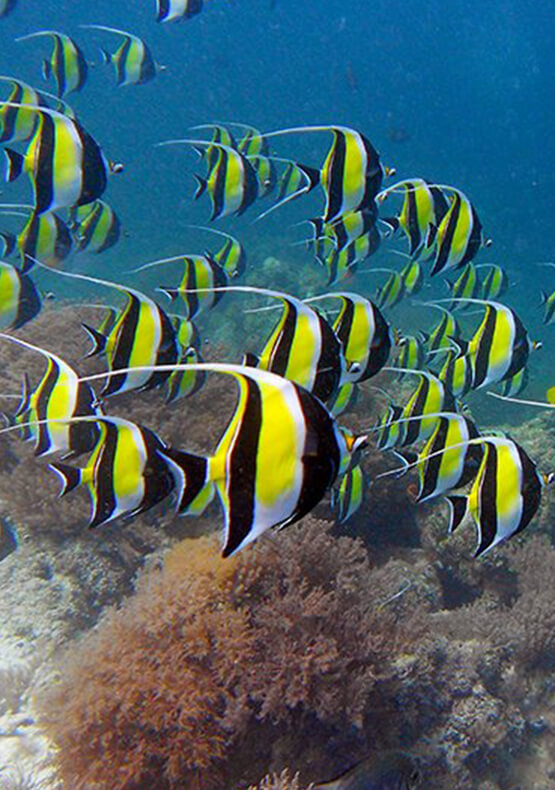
point(385, 771)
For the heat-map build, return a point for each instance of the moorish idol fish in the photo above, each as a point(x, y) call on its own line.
point(19, 299)
point(390, 430)
point(457, 371)
point(303, 347)
point(392, 291)
point(342, 264)
point(412, 276)
point(495, 284)
point(348, 498)
point(133, 61)
point(500, 346)
point(466, 286)
point(185, 383)
point(95, 226)
point(515, 385)
point(448, 461)
point(202, 282)
point(347, 228)
point(430, 397)
point(424, 207)
point(17, 123)
point(208, 151)
point(58, 397)
point(231, 257)
point(6, 7)
point(67, 64)
point(232, 183)
point(548, 301)
point(352, 173)
point(279, 455)
point(447, 328)
point(126, 474)
point(177, 10)
point(265, 173)
point(365, 335)
point(382, 771)
point(458, 237)
point(344, 398)
point(505, 495)
point(412, 353)
point(141, 335)
point(296, 180)
point(65, 164)
point(44, 237)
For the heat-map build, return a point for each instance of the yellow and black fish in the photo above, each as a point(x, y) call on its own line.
point(412, 354)
point(296, 180)
point(17, 123)
point(45, 412)
point(279, 455)
point(201, 283)
point(412, 275)
point(19, 299)
point(424, 207)
point(65, 164)
point(303, 347)
point(457, 371)
point(232, 256)
point(458, 237)
point(365, 335)
point(44, 237)
point(95, 226)
point(495, 283)
point(466, 286)
point(133, 61)
point(548, 301)
point(342, 264)
point(505, 495)
point(185, 383)
point(348, 498)
point(392, 291)
point(67, 63)
point(126, 474)
point(447, 328)
point(500, 347)
point(352, 173)
point(177, 10)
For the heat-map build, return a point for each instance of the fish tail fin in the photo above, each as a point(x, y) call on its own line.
point(98, 340)
point(46, 69)
point(312, 174)
point(195, 489)
point(458, 506)
point(9, 240)
point(392, 223)
point(70, 476)
point(171, 293)
point(14, 164)
point(105, 57)
point(201, 186)
point(250, 360)
point(543, 297)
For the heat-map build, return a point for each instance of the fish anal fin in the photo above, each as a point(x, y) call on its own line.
point(195, 490)
point(458, 507)
point(98, 340)
point(70, 476)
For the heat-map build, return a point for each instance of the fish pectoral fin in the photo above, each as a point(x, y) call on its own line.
point(14, 164)
point(458, 507)
point(70, 476)
point(98, 339)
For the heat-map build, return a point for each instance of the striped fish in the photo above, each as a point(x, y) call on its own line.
point(495, 283)
point(201, 286)
point(352, 173)
point(448, 461)
point(297, 179)
point(389, 430)
point(412, 275)
point(505, 495)
point(512, 387)
point(457, 371)
point(430, 397)
point(424, 207)
point(19, 299)
point(65, 164)
point(548, 301)
point(17, 123)
point(365, 335)
point(67, 64)
point(458, 237)
point(126, 474)
point(95, 226)
point(185, 383)
point(500, 347)
point(279, 455)
point(133, 61)
point(44, 237)
point(59, 396)
point(412, 353)
point(349, 496)
point(342, 264)
point(392, 291)
point(466, 286)
point(345, 398)
point(141, 335)
point(303, 347)
point(177, 10)
point(447, 328)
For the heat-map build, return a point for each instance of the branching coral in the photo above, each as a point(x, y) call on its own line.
point(207, 651)
point(283, 781)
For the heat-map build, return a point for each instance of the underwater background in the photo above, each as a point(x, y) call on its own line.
point(133, 656)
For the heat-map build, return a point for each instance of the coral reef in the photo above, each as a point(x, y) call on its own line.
point(283, 781)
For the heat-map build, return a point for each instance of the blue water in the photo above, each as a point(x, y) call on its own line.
point(457, 92)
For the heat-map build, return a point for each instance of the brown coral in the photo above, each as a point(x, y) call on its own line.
point(184, 674)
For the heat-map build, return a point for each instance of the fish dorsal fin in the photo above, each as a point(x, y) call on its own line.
point(458, 507)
